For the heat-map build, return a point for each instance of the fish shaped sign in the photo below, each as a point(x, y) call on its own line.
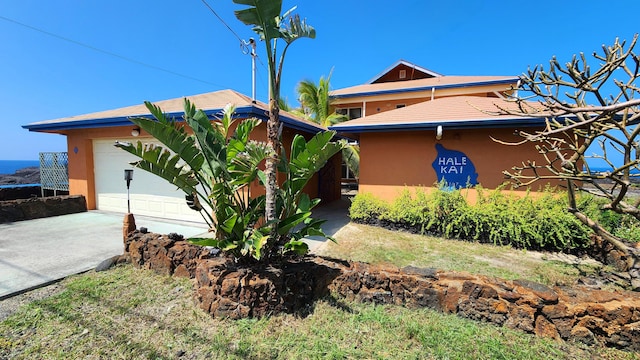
point(454, 168)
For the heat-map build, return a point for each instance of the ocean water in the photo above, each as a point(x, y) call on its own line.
point(8, 167)
point(597, 169)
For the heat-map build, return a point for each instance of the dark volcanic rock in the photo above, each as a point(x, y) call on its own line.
point(35, 208)
point(228, 289)
point(29, 175)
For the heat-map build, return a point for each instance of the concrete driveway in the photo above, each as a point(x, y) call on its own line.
point(34, 253)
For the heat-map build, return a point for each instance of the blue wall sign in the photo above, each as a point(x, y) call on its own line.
point(455, 168)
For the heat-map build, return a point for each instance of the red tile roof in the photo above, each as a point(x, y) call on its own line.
point(212, 101)
point(461, 111)
point(422, 84)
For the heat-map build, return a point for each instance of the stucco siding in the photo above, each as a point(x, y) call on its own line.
point(391, 161)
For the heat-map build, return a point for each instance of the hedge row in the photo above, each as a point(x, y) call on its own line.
point(497, 217)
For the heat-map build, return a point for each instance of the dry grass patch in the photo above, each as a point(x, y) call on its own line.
point(372, 244)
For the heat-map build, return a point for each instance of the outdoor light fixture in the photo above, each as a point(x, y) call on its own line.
point(128, 176)
point(439, 132)
point(135, 131)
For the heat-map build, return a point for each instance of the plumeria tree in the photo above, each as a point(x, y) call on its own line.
point(587, 107)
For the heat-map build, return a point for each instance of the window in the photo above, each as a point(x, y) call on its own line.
point(346, 174)
point(351, 113)
point(403, 74)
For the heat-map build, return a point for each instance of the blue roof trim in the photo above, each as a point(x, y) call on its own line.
point(432, 125)
point(262, 114)
point(240, 112)
point(426, 88)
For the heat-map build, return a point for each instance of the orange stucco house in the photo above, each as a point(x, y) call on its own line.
point(416, 128)
point(96, 166)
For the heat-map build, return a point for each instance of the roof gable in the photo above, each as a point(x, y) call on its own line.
point(396, 71)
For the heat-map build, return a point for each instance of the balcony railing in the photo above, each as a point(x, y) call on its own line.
point(54, 172)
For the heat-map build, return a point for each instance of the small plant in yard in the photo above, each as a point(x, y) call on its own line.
point(366, 206)
point(217, 169)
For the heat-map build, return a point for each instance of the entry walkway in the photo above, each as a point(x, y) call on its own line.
point(34, 253)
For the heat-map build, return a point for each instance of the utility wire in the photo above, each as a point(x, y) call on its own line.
point(108, 52)
point(243, 44)
point(222, 21)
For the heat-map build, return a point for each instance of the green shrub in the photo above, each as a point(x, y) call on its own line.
point(407, 209)
point(497, 217)
point(621, 225)
point(365, 207)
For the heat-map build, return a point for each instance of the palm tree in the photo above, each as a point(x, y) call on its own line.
point(316, 106)
point(316, 103)
point(266, 19)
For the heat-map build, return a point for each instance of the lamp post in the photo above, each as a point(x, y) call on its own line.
point(128, 176)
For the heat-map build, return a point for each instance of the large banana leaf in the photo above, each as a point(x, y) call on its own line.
point(296, 29)
point(210, 141)
point(263, 15)
point(160, 162)
point(309, 157)
point(351, 157)
point(172, 136)
point(244, 165)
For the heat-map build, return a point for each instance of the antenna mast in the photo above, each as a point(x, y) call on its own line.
point(244, 45)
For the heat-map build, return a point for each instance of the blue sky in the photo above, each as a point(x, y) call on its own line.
point(43, 77)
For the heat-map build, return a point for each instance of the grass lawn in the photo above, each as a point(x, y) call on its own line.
point(126, 313)
point(377, 245)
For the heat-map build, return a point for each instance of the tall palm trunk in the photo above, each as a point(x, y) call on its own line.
point(271, 166)
point(265, 18)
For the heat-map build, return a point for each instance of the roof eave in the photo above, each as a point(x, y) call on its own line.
point(426, 88)
point(240, 112)
point(432, 125)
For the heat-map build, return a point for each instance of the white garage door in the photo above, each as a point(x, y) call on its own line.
point(149, 194)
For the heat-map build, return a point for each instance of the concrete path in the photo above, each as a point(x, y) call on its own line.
point(337, 216)
point(34, 253)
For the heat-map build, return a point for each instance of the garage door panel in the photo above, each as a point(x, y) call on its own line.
point(150, 195)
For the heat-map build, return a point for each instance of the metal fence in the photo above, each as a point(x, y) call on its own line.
point(54, 171)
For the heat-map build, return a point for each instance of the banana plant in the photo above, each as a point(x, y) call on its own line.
point(294, 206)
point(217, 168)
point(213, 167)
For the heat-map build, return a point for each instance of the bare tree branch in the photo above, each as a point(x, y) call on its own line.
point(584, 107)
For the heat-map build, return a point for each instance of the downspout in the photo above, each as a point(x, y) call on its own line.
point(433, 93)
point(364, 108)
